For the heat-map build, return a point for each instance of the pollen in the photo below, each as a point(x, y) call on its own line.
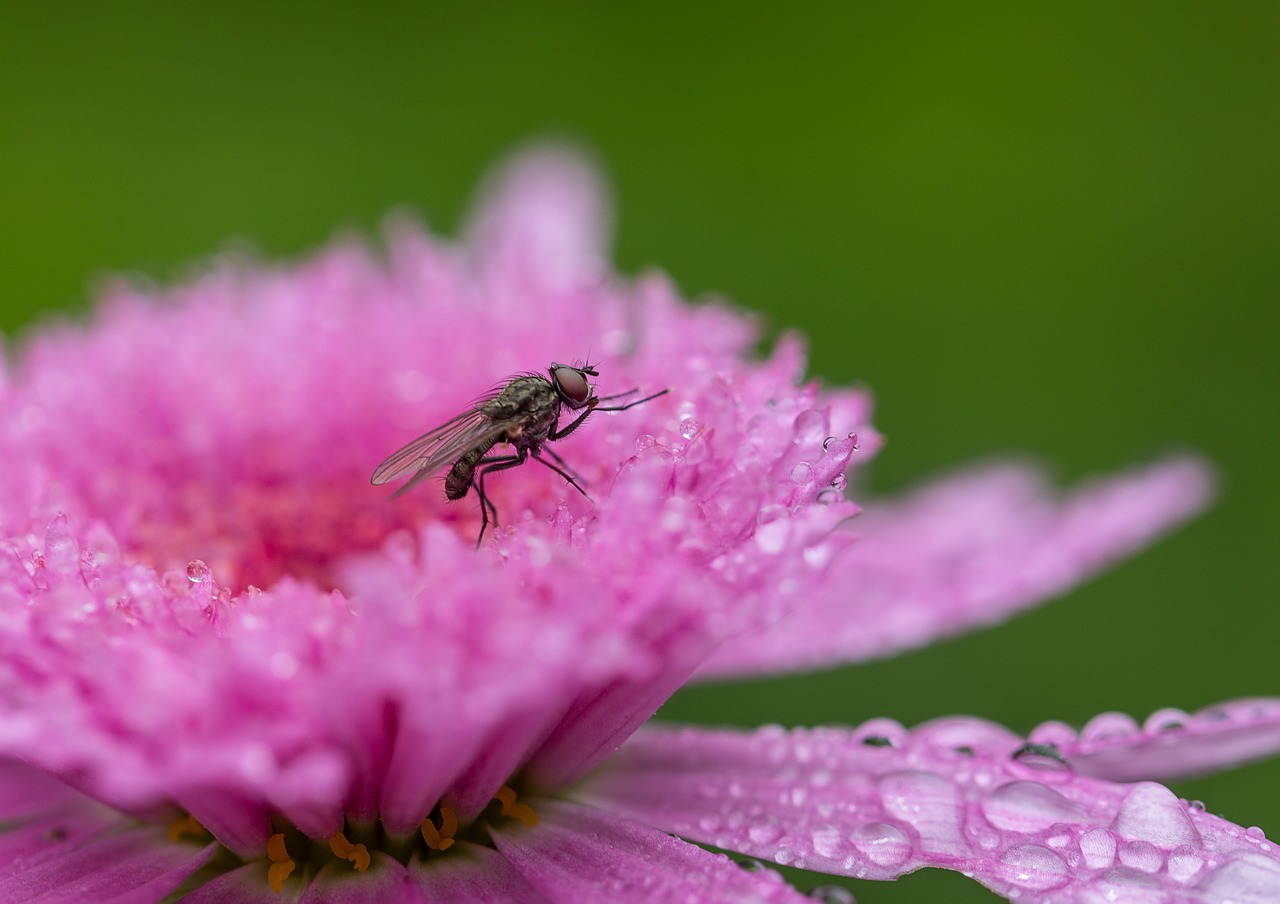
point(441, 838)
point(281, 863)
point(187, 825)
point(511, 807)
point(358, 854)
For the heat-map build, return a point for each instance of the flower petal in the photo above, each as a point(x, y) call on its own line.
point(138, 865)
point(245, 885)
point(1170, 744)
point(955, 794)
point(964, 552)
point(386, 881)
point(544, 215)
point(581, 854)
point(472, 874)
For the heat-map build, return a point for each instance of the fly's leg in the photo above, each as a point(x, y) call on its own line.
point(485, 467)
point(562, 468)
point(594, 405)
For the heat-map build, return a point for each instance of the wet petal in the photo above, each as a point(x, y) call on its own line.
point(959, 794)
point(581, 854)
point(1170, 744)
point(245, 885)
point(386, 881)
point(966, 552)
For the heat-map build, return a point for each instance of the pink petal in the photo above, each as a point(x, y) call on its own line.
point(965, 552)
point(544, 216)
point(386, 881)
point(244, 885)
point(580, 854)
point(472, 874)
point(1170, 744)
point(139, 865)
point(954, 794)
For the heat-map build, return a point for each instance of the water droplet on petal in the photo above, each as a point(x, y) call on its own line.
point(1040, 757)
point(832, 894)
point(829, 496)
point(1151, 812)
point(802, 474)
point(1108, 727)
point(1028, 807)
point(1142, 855)
point(1034, 866)
point(882, 844)
point(1163, 720)
point(810, 426)
point(644, 441)
point(752, 865)
point(764, 833)
point(839, 482)
point(829, 842)
point(689, 428)
point(197, 571)
point(1195, 806)
point(854, 438)
point(1184, 864)
point(1099, 848)
point(826, 443)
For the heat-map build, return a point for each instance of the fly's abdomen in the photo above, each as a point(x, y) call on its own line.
point(460, 476)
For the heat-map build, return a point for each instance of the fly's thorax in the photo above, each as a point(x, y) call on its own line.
point(528, 408)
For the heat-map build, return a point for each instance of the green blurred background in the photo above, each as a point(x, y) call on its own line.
point(1049, 228)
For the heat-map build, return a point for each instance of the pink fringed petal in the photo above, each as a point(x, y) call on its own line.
point(960, 794)
point(1170, 744)
point(579, 854)
point(967, 551)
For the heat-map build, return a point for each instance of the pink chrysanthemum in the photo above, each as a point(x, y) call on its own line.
point(235, 671)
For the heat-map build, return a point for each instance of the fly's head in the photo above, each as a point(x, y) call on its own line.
point(571, 385)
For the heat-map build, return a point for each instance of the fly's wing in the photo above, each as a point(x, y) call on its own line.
point(441, 446)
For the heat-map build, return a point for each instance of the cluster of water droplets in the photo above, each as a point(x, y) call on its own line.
point(879, 801)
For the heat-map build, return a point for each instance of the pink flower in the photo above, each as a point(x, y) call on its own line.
point(231, 666)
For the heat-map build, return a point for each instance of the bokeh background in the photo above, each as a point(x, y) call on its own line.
point(1045, 228)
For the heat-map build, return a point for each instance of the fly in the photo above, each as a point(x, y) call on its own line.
point(524, 413)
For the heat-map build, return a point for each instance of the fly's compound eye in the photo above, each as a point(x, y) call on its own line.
point(572, 385)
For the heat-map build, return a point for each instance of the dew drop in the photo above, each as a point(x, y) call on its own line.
point(689, 428)
point(1034, 866)
point(1099, 848)
point(832, 894)
point(1040, 757)
point(1195, 806)
point(810, 426)
point(828, 842)
point(854, 438)
point(826, 443)
point(752, 865)
point(1108, 727)
point(197, 571)
point(1164, 720)
point(882, 844)
point(1142, 855)
point(1028, 807)
point(764, 833)
point(802, 474)
point(829, 496)
point(839, 482)
point(1184, 865)
point(644, 441)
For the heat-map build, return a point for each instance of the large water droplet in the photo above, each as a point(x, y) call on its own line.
point(1028, 807)
point(1142, 855)
point(810, 426)
point(1034, 866)
point(802, 474)
point(1040, 757)
point(882, 844)
point(1099, 848)
point(1151, 812)
point(197, 571)
point(1108, 727)
point(689, 428)
point(930, 804)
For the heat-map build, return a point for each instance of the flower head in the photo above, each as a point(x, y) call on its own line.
point(222, 647)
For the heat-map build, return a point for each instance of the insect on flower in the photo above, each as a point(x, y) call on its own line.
point(524, 413)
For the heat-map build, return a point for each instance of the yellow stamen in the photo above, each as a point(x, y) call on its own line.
point(281, 863)
point(358, 854)
point(187, 825)
point(510, 807)
point(440, 839)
